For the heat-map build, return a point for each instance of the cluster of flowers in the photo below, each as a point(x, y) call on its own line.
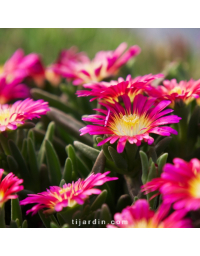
point(130, 111)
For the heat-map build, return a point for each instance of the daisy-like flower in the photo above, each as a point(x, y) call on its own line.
point(140, 216)
point(111, 91)
point(21, 66)
point(171, 90)
point(11, 116)
point(57, 198)
point(133, 122)
point(105, 64)
point(12, 90)
point(62, 66)
point(8, 187)
point(179, 184)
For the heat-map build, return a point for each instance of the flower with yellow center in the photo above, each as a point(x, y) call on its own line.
point(139, 215)
point(179, 184)
point(173, 91)
point(133, 122)
point(57, 198)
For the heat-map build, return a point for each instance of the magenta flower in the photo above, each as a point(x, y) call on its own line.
point(111, 91)
point(12, 90)
point(140, 216)
point(8, 187)
point(132, 123)
point(173, 91)
point(12, 116)
point(179, 184)
point(80, 69)
point(57, 198)
point(20, 66)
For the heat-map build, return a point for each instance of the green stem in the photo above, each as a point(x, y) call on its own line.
point(134, 184)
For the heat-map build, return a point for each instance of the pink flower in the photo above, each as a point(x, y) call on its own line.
point(12, 90)
point(57, 198)
point(171, 90)
point(111, 91)
point(21, 66)
point(179, 184)
point(11, 116)
point(133, 122)
point(8, 187)
point(80, 69)
point(140, 216)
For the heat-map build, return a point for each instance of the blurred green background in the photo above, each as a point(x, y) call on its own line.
point(155, 55)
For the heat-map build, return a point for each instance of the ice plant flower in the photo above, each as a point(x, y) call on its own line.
point(12, 116)
point(111, 91)
point(171, 90)
point(21, 66)
point(179, 184)
point(12, 90)
point(56, 198)
point(105, 64)
point(8, 187)
point(131, 122)
point(140, 216)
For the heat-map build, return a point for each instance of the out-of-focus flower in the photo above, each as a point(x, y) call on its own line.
point(179, 184)
point(111, 91)
point(133, 122)
point(11, 116)
point(79, 68)
point(20, 66)
point(8, 187)
point(57, 198)
point(171, 90)
point(52, 77)
point(140, 216)
point(12, 90)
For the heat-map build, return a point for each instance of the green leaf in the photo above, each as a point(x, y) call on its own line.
point(2, 217)
point(99, 165)
point(54, 101)
point(23, 169)
point(34, 169)
point(145, 166)
point(82, 168)
point(70, 124)
point(16, 211)
point(161, 162)
point(48, 136)
point(13, 224)
point(44, 177)
point(26, 125)
point(99, 200)
point(25, 224)
point(53, 163)
point(45, 219)
point(24, 150)
point(13, 166)
point(53, 225)
point(162, 144)
point(119, 161)
point(86, 150)
point(62, 182)
point(152, 154)
point(68, 168)
point(105, 216)
point(123, 202)
point(72, 155)
point(152, 172)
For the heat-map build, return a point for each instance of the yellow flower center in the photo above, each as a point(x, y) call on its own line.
point(4, 116)
point(143, 223)
point(194, 186)
point(129, 125)
point(176, 89)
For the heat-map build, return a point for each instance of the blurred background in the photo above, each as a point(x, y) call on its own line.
point(159, 46)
